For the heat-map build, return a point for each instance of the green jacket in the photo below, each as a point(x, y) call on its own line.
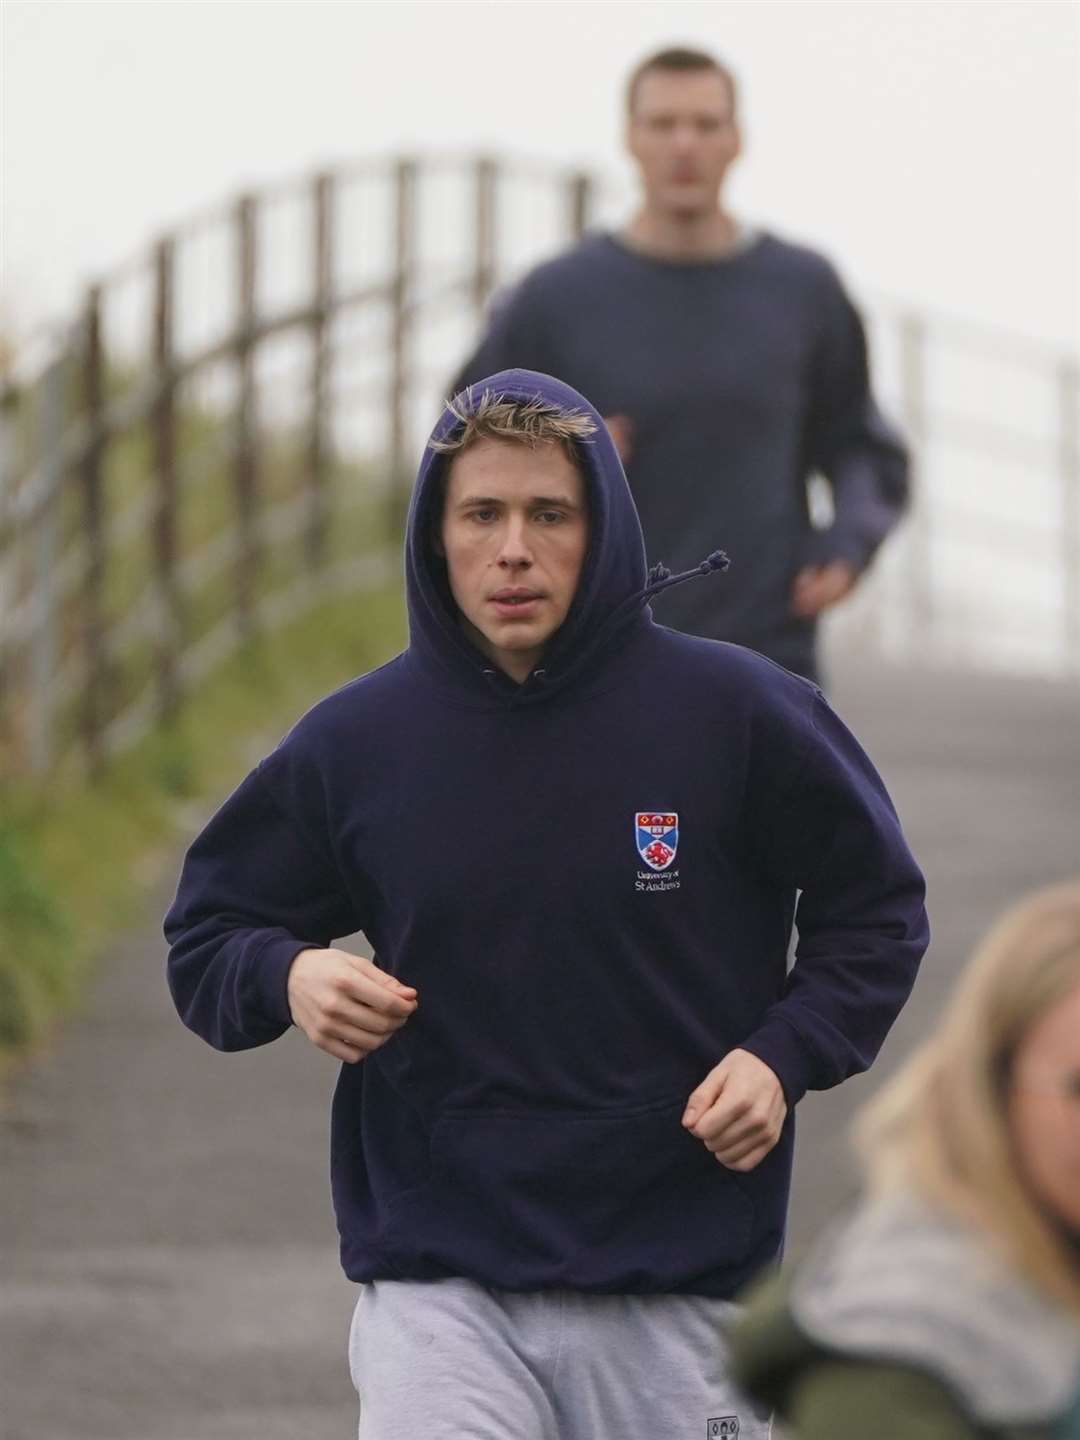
point(906, 1326)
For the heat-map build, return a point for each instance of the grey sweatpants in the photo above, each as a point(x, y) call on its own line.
point(453, 1360)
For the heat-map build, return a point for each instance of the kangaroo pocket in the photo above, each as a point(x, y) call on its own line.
point(594, 1201)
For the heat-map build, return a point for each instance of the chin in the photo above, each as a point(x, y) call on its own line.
point(520, 641)
point(687, 209)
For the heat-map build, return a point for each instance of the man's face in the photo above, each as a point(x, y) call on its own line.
point(683, 135)
point(515, 529)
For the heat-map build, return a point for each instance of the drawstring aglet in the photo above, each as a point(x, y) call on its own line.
point(716, 561)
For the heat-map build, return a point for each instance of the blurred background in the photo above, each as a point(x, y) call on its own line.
point(245, 246)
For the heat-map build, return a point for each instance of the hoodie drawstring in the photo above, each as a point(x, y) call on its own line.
point(660, 577)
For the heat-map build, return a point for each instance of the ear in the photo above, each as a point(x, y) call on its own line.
point(628, 139)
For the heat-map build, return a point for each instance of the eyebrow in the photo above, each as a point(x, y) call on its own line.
point(539, 501)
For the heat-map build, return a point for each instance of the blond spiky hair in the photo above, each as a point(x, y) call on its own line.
point(529, 422)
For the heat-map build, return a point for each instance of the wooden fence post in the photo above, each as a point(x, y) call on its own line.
point(11, 732)
point(44, 645)
point(485, 222)
point(404, 238)
point(319, 442)
point(93, 536)
point(169, 637)
point(246, 467)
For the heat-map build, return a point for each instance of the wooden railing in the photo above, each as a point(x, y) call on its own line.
point(165, 498)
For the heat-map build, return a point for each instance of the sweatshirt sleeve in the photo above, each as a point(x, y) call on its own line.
point(850, 442)
point(515, 338)
point(833, 834)
point(254, 891)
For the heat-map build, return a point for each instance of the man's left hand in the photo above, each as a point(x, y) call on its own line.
point(816, 587)
point(738, 1110)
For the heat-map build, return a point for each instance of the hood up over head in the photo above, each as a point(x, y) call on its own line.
point(614, 588)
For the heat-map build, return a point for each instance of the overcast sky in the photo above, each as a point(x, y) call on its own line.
point(932, 149)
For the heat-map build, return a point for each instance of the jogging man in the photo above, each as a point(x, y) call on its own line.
point(730, 365)
point(562, 1131)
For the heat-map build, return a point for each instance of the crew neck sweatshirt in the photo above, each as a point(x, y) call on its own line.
point(740, 376)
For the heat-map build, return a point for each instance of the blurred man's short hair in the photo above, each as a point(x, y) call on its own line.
point(679, 58)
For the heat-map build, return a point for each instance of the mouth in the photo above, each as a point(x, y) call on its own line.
point(516, 602)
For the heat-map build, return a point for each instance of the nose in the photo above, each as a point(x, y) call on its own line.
point(514, 551)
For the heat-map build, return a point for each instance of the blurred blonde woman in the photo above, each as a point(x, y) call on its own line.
point(948, 1306)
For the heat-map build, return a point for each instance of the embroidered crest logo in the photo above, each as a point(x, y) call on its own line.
point(657, 836)
point(724, 1427)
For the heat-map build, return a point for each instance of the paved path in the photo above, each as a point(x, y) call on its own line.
point(168, 1267)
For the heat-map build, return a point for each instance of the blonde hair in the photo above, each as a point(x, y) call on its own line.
point(527, 422)
point(941, 1124)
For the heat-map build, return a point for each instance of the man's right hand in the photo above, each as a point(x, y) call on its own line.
point(345, 1004)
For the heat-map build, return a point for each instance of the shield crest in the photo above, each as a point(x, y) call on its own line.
point(656, 833)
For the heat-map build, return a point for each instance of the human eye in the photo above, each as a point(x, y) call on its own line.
point(482, 514)
point(551, 517)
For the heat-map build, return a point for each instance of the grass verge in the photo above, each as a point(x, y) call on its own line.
point(79, 864)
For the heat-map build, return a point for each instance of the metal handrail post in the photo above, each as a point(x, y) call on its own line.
point(919, 544)
point(1069, 403)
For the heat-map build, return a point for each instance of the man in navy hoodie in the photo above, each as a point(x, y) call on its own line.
point(574, 840)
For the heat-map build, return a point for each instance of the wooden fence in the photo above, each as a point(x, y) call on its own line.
point(162, 503)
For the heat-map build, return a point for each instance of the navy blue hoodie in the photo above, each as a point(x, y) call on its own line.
point(589, 877)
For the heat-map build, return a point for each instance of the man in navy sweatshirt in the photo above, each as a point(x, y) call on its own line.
point(730, 365)
point(563, 1126)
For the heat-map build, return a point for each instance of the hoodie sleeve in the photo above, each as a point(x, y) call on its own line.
point(849, 440)
point(254, 891)
point(833, 834)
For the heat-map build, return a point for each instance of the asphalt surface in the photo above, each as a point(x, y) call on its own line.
point(168, 1265)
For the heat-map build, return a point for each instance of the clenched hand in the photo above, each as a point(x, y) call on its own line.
point(738, 1110)
point(345, 1004)
point(817, 587)
point(621, 428)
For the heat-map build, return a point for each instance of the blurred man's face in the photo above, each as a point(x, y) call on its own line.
point(515, 530)
point(683, 135)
